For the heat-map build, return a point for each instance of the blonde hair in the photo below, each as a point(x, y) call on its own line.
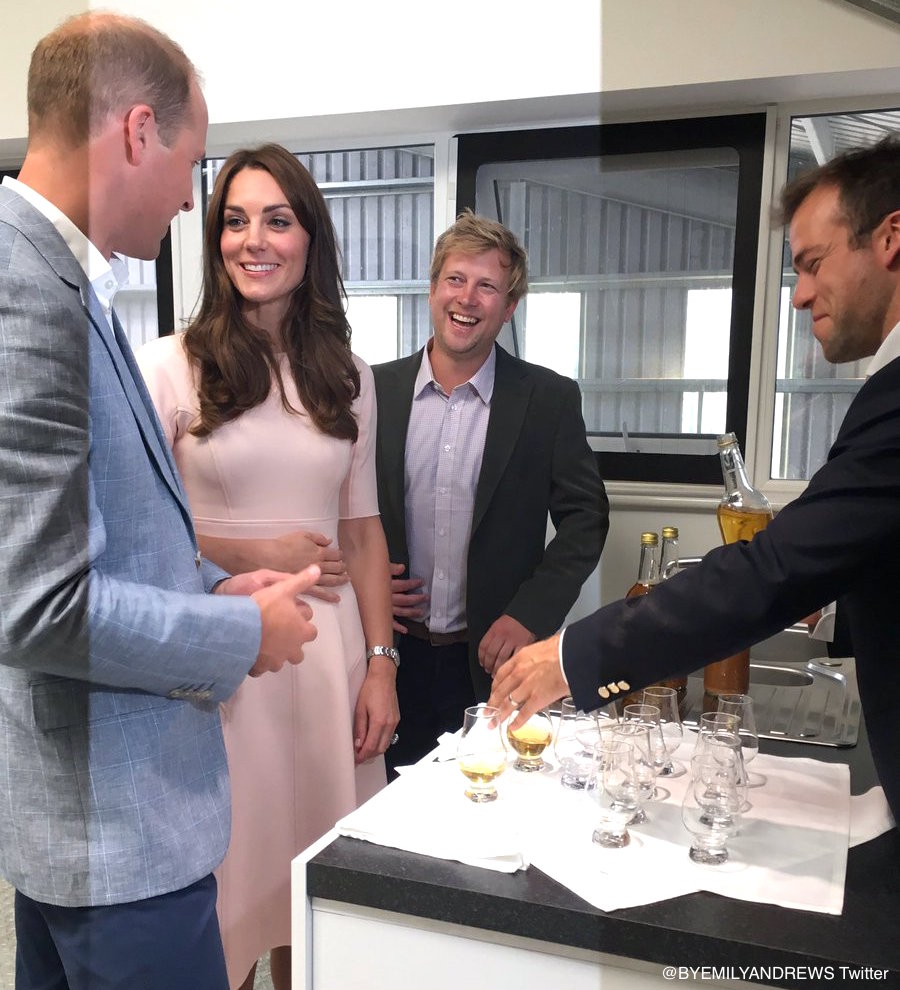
point(95, 64)
point(475, 234)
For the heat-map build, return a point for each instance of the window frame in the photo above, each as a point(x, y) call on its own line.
point(744, 132)
point(761, 427)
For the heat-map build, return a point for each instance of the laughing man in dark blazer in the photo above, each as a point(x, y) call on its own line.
point(475, 447)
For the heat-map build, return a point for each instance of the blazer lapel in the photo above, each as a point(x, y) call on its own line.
point(395, 404)
point(116, 343)
point(509, 403)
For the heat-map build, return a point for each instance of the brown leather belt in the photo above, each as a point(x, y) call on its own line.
point(421, 631)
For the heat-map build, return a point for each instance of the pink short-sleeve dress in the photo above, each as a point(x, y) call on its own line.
point(289, 735)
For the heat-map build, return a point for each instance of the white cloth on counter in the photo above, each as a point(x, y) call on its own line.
point(870, 816)
point(425, 811)
point(791, 848)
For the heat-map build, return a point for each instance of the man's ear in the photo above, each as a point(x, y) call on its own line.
point(140, 132)
point(888, 234)
point(510, 309)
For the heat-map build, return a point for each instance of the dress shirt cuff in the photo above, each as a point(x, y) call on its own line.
point(562, 669)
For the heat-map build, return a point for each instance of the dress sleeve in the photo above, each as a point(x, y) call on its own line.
point(166, 372)
point(359, 495)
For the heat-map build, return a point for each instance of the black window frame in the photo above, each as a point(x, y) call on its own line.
point(745, 134)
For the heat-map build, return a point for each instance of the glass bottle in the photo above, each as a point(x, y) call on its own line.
point(742, 512)
point(648, 569)
point(668, 567)
point(668, 553)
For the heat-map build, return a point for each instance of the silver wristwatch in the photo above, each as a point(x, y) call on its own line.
point(384, 651)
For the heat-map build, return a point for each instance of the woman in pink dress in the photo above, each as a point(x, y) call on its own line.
point(272, 423)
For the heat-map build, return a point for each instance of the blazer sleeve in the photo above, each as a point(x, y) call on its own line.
point(839, 537)
point(579, 510)
point(132, 623)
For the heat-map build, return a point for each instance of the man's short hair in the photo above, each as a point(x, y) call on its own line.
point(96, 64)
point(474, 234)
point(867, 181)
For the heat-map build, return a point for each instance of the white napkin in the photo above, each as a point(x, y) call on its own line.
point(870, 816)
point(425, 811)
point(791, 848)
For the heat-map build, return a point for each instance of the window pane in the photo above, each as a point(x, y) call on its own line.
point(645, 244)
point(811, 395)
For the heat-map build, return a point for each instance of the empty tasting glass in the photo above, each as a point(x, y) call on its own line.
point(666, 700)
point(648, 716)
point(481, 753)
point(742, 706)
point(719, 738)
point(613, 790)
point(530, 740)
point(644, 772)
point(711, 807)
point(574, 755)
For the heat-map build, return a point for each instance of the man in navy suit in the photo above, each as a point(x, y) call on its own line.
point(114, 808)
point(839, 540)
point(475, 448)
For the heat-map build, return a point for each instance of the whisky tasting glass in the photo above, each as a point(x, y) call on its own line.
point(638, 736)
point(613, 790)
point(530, 740)
point(481, 753)
point(711, 807)
point(574, 756)
point(742, 706)
point(648, 716)
point(666, 700)
point(718, 737)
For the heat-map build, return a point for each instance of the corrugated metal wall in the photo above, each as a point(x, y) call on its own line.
point(633, 265)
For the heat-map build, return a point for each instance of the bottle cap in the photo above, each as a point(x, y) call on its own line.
point(649, 539)
point(726, 439)
point(670, 532)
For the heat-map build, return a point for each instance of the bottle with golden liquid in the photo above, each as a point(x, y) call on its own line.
point(648, 569)
point(668, 567)
point(648, 576)
point(742, 512)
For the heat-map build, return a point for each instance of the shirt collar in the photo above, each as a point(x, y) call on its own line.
point(106, 277)
point(482, 382)
point(887, 352)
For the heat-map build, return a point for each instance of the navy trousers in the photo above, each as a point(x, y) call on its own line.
point(434, 688)
point(170, 942)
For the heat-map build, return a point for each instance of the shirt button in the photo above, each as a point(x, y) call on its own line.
point(447, 446)
point(441, 531)
point(440, 574)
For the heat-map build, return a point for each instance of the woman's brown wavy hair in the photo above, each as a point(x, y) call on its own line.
point(236, 362)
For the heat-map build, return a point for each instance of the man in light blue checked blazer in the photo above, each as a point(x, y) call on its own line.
point(114, 803)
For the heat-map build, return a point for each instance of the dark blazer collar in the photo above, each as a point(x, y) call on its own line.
point(509, 404)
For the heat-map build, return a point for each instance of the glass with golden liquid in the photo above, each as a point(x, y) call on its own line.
point(529, 742)
point(481, 753)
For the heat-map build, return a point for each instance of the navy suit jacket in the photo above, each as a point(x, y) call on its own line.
point(112, 657)
point(536, 460)
point(839, 540)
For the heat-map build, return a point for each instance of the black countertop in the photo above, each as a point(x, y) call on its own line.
point(695, 930)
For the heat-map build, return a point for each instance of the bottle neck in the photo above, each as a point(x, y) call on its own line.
point(734, 473)
point(648, 570)
point(668, 559)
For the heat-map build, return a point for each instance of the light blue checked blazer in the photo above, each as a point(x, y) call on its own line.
point(113, 783)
